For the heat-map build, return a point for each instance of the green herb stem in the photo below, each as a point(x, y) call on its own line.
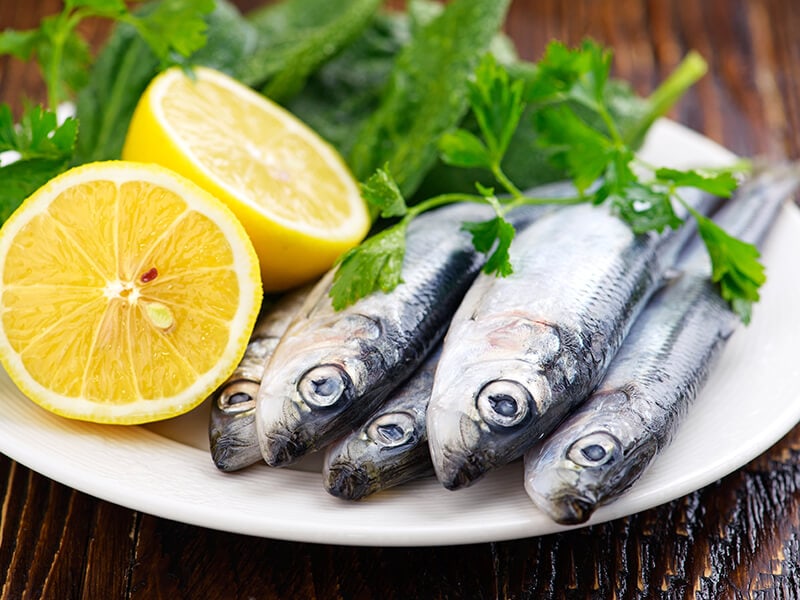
point(441, 200)
point(686, 74)
point(504, 180)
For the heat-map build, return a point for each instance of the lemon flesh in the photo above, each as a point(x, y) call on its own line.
point(128, 294)
point(292, 192)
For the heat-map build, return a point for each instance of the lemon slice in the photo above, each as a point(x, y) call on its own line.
point(128, 294)
point(290, 189)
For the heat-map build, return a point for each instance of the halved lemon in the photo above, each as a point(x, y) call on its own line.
point(128, 293)
point(289, 188)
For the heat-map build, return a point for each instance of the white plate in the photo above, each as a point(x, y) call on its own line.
point(165, 469)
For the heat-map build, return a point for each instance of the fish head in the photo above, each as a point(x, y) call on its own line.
point(311, 380)
point(388, 450)
point(489, 403)
point(232, 426)
point(579, 468)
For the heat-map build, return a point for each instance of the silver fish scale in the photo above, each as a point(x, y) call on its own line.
point(367, 461)
point(633, 413)
point(692, 322)
point(608, 442)
point(232, 429)
point(580, 278)
point(356, 356)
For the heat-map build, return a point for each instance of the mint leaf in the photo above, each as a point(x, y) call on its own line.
point(493, 236)
point(734, 266)
point(461, 148)
point(374, 265)
point(381, 192)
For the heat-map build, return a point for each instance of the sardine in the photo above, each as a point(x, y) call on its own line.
point(609, 441)
point(333, 369)
point(522, 351)
point(390, 448)
point(232, 424)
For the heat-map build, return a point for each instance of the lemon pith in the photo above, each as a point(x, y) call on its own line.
point(128, 294)
point(291, 191)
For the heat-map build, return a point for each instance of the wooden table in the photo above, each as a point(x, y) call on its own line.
point(736, 538)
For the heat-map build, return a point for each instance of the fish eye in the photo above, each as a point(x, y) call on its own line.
point(323, 386)
point(392, 430)
point(504, 403)
point(594, 450)
point(238, 396)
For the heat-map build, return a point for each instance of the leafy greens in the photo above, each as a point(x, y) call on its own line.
point(442, 109)
point(566, 98)
point(172, 30)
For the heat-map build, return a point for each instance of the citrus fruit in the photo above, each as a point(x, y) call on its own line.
point(128, 293)
point(289, 188)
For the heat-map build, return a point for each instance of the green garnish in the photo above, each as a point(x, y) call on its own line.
point(427, 91)
point(734, 267)
point(569, 99)
point(172, 30)
point(44, 149)
point(426, 94)
point(296, 38)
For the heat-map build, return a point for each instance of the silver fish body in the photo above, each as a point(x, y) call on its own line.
point(332, 369)
point(232, 427)
point(609, 441)
point(522, 351)
point(390, 447)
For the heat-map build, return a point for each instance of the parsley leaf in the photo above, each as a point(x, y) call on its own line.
point(497, 104)
point(495, 233)
point(570, 100)
point(374, 265)
point(583, 151)
point(645, 207)
point(720, 184)
point(734, 266)
point(44, 150)
point(462, 148)
point(175, 27)
point(563, 74)
point(38, 135)
point(381, 192)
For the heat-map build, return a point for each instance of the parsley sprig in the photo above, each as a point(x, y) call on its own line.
point(173, 29)
point(567, 98)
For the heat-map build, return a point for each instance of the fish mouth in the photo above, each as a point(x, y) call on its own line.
point(571, 510)
point(460, 468)
point(347, 482)
point(232, 454)
point(233, 444)
point(279, 450)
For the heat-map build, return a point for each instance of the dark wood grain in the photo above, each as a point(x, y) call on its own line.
point(736, 538)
